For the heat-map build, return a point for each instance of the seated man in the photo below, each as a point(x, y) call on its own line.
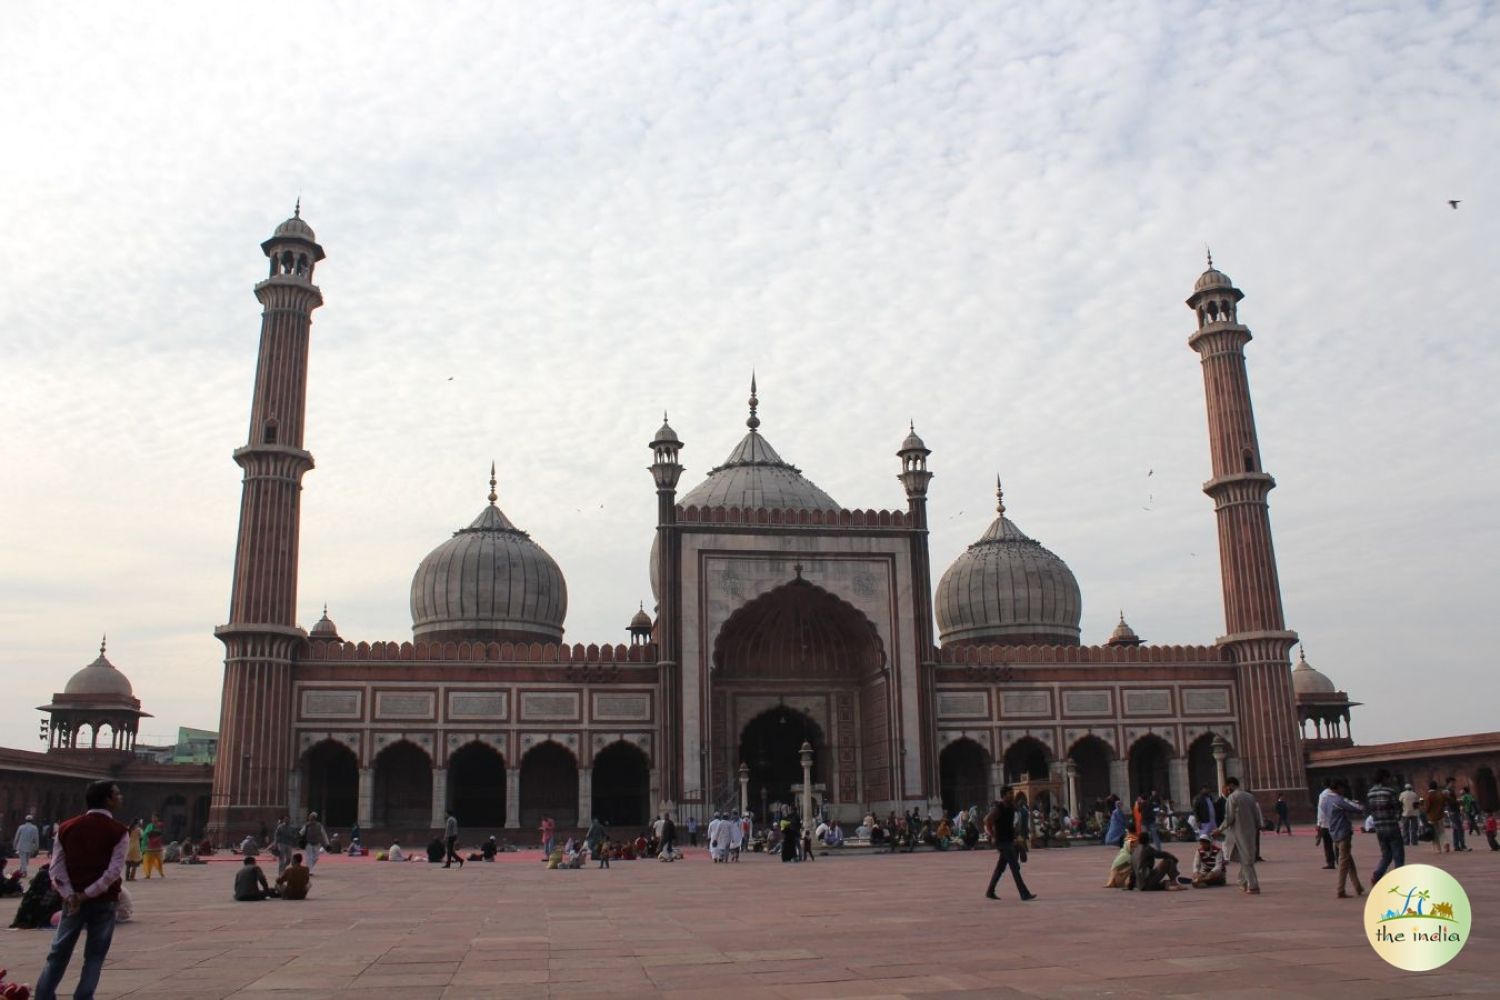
point(396, 853)
point(1208, 864)
point(435, 851)
point(249, 847)
point(190, 855)
point(1121, 869)
point(294, 880)
point(835, 836)
point(971, 834)
point(489, 849)
point(1154, 869)
point(172, 853)
point(250, 883)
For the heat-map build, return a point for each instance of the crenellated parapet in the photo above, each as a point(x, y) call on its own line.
point(997, 655)
point(795, 517)
point(482, 652)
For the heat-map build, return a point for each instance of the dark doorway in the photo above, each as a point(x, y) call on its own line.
point(964, 770)
point(1149, 767)
point(549, 787)
point(403, 788)
point(1092, 756)
point(1486, 793)
point(1203, 770)
point(772, 745)
point(1026, 758)
point(622, 785)
point(174, 816)
point(476, 787)
point(332, 776)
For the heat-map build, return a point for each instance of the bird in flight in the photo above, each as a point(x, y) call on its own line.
point(1453, 202)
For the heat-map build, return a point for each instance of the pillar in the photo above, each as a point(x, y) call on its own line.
point(365, 811)
point(513, 798)
point(744, 788)
point(585, 795)
point(1119, 777)
point(1070, 771)
point(1177, 774)
point(293, 793)
point(439, 797)
point(997, 779)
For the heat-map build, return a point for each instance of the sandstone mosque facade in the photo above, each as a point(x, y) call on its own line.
point(781, 617)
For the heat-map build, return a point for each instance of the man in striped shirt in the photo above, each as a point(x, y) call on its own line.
point(1384, 807)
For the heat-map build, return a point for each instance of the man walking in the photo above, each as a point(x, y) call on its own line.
point(1341, 829)
point(1385, 809)
point(27, 841)
point(88, 856)
point(315, 838)
point(285, 844)
point(1000, 824)
point(1411, 822)
point(1455, 815)
point(450, 838)
point(1323, 838)
point(1241, 828)
point(1282, 810)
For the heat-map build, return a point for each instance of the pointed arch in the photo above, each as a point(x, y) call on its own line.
point(621, 785)
point(964, 772)
point(403, 787)
point(549, 785)
point(476, 785)
point(330, 775)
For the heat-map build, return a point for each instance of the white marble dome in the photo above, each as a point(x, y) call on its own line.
point(1306, 679)
point(100, 678)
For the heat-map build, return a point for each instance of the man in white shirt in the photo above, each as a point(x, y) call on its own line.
point(1325, 809)
point(1411, 817)
point(736, 837)
point(714, 826)
point(27, 842)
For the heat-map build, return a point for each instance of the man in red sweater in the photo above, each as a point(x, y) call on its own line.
point(87, 859)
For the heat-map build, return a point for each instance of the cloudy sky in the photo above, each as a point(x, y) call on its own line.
point(547, 223)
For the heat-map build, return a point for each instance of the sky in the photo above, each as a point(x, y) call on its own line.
point(547, 223)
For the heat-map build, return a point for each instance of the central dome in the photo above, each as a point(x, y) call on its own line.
point(489, 583)
point(754, 476)
point(1008, 589)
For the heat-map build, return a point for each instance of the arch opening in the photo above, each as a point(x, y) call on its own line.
point(1027, 758)
point(621, 786)
point(476, 786)
point(331, 775)
point(964, 773)
point(549, 786)
point(1203, 770)
point(1091, 756)
point(403, 787)
point(1150, 758)
point(771, 743)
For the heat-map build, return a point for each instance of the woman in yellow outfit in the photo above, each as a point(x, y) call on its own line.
point(133, 851)
point(154, 844)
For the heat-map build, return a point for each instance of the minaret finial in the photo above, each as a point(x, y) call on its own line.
point(1209, 251)
point(753, 422)
point(297, 209)
point(103, 641)
point(325, 609)
point(999, 496)
point(493, 495)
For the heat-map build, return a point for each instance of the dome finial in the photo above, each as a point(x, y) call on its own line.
point(297, 208)
point(493, 495)
point(103, 640)
point(1209, 251)
point(999, 496)
point(753, 422)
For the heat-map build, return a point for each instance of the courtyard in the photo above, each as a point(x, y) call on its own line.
point(843, 926)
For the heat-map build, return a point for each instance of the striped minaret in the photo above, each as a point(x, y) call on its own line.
point(1268, 745)
point(255, 756)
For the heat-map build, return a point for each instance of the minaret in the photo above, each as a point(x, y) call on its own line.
point(915, 478)
point(255, 757)
point(1268, 744)
point(666, 470)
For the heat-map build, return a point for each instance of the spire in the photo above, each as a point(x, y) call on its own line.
point(1000, 498)
point(297, 209)
point(1209, 251)
point(753, 422)
point(103, 639)
point(493, 495)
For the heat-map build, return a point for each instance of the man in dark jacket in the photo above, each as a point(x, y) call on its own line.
point(88, 858)
point(1000, 824)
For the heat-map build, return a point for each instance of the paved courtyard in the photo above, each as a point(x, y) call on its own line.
point(865, 926)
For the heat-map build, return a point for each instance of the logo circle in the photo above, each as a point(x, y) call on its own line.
point(1417, 918)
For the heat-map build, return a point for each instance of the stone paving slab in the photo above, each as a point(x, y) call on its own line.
point(855, 926)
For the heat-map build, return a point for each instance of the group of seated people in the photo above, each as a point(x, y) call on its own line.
point(250, 883)
point(1143, 866)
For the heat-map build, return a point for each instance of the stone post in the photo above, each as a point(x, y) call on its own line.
point(585, 795)
point(1221, 752)
point(294, 793)
point(439, 797)
point(744, 788)
point(1119, 778)
point(1070, 771)
point(806, 753)
point(365, 812)
point(513, 798)
point(1177, 774)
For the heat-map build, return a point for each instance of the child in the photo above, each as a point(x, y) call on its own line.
point(604, 847)
point(1490, 828)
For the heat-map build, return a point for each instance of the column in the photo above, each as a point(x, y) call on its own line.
point(439, 798)
point(997, 779)
point(1070, 770)
point(1177, 771)
point(1119, 778)
point(513, 798)
point(294, 793)
point(585, 795)
point(744, 789)
point(365, 811)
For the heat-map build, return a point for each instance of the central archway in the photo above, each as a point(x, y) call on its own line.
point(1150, 758)
point(403, 787)
point(621, 785)
point(476, 786)
point(549, 786)
point(964, 767)
point(772, 745)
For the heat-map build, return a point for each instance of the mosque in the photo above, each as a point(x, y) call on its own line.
point(784, 620)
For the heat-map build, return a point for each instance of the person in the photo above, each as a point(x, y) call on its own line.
point(601, 851)
point(1209, 868)
point(692, 825)
point(396, 853)
point(1000, 824)
point(124, 907)
point(736, 837)
point(88, 858)
point(1491, 827)
point(1240, 828)
point(549, 833)
point(1121, 874)
point(1341, 831)
point(1322, 822)
point(668, 836)
point(38, 902)
point(249, 847)
point(284, 843)
point(489, 849)
point(435, 850)
point(806, 846)
point(1282, 812)
point(1384, 809)
point(354, 836)
point(595, 835)
point(293, 880)
point(1435, 804)
point(26, 843)
point(1154, 868)
point(1203, 812)
point(172, 853)
point(133, 852)
point(250, 883)
point(316, 838)
point(789, 839)
point(450, 842)
point(1411, 822)
point(1469, 806)
point(1454, 813)
point(1115, 835)
point(156, 842)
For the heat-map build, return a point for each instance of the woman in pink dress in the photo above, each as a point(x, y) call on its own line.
point(549, 829)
